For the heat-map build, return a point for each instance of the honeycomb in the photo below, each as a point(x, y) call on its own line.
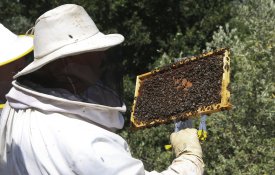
point(182, 90)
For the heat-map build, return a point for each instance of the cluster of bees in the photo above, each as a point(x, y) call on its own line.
point(180, 88)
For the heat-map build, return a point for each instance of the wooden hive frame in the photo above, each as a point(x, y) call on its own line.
point(224, 103)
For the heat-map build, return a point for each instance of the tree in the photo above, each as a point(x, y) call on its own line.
point(11, 17)
point(244, 137)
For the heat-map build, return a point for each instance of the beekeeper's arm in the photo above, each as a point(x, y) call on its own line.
point(188, 154)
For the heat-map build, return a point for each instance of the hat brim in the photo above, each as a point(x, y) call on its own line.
point(19, 48)
point(98, 42)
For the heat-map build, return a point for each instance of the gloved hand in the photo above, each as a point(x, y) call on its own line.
point(186, 142)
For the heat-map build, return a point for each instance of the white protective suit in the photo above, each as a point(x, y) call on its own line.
point(42, 134)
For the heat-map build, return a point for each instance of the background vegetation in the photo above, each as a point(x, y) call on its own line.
point(241, 141)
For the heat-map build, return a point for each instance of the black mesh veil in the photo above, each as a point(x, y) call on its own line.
point(82, 79)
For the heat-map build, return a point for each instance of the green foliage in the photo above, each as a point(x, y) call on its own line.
point(244, 137)
point(129, 89)
point(11, 17)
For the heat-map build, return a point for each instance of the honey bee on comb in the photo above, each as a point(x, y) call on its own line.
point(182, 90)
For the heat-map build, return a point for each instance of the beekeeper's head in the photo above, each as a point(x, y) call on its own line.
point(69, 51)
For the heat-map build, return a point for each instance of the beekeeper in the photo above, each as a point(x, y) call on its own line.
point(61, 117)
point(13, 50)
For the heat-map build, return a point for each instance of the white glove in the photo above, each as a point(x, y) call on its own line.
point(186, 142)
